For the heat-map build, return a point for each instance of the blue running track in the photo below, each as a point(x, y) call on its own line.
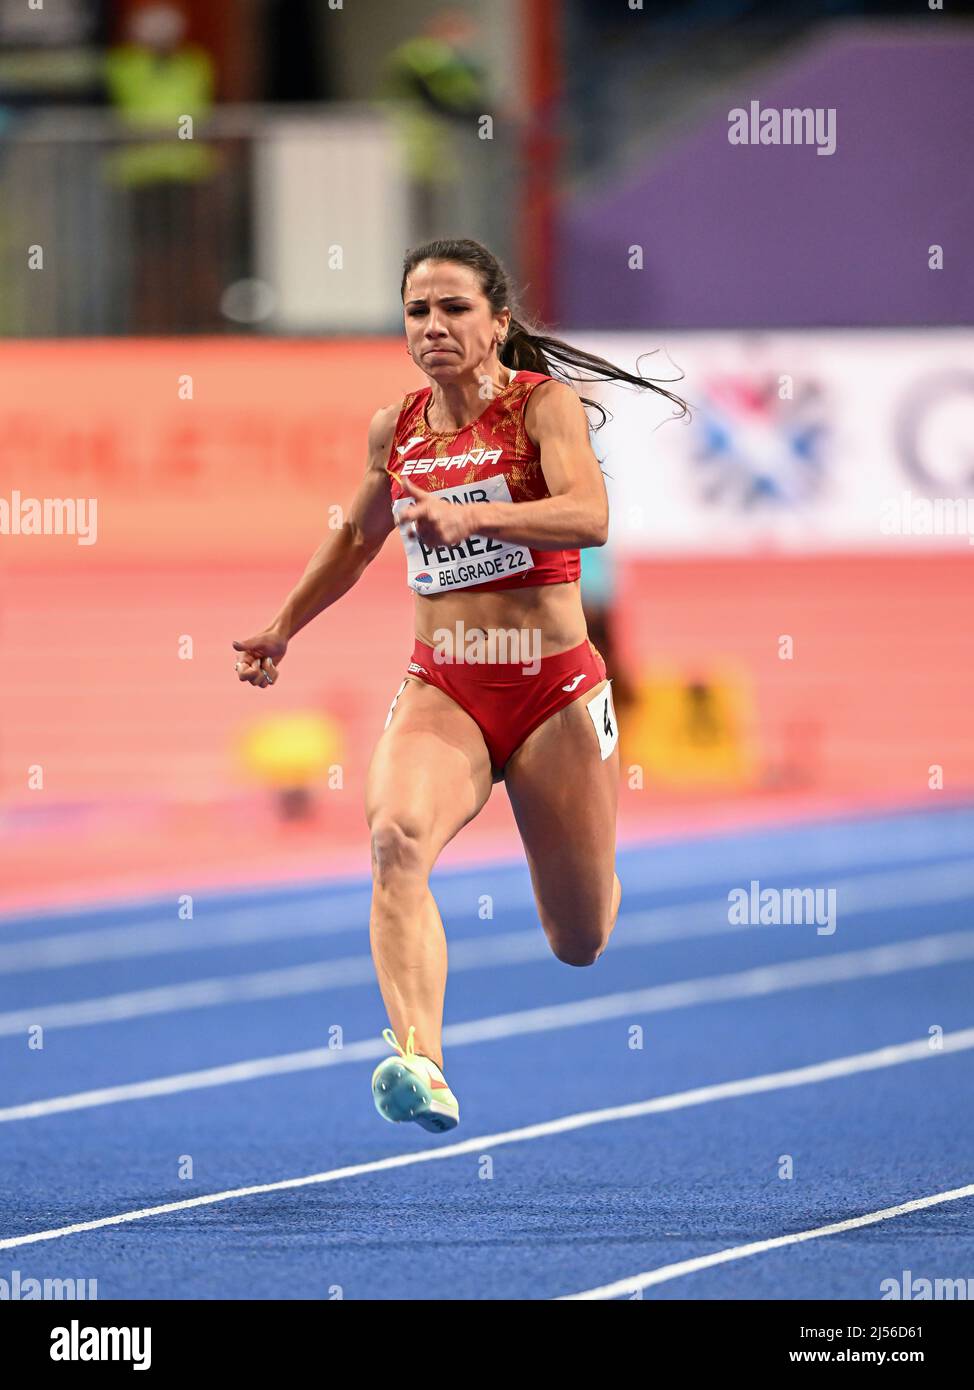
point(703, 1087)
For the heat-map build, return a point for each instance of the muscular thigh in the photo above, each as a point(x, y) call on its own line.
point(565, 799)
point(430, 772)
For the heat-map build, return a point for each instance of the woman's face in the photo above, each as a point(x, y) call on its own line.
point(451, 330)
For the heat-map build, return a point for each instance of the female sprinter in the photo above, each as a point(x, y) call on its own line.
point(490, 477)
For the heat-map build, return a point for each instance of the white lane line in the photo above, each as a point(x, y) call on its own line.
point(682, 994)
point(823, 848)
point(894, 1055)
point(664, 1273)
point(331, 899)
point(866, 892)
point(706, 918)
point(203, 933)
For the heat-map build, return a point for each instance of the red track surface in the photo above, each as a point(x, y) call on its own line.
point(143, 792)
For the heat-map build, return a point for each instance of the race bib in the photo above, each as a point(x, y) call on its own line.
point(603, 716)
point(433, 569)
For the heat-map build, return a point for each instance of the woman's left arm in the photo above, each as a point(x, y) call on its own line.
point(576, 515)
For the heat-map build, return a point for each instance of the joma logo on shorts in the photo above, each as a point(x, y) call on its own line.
point(468, 460)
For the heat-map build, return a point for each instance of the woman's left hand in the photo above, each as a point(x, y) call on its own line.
point(435, 521)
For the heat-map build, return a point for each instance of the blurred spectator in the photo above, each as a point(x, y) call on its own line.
point(434, 82)
point(155, 79)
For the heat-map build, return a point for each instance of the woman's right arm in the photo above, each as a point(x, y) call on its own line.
point(337, 564)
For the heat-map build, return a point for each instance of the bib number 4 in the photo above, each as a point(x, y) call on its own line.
point(602, 713)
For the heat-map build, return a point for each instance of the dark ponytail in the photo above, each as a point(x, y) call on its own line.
point(527, 347)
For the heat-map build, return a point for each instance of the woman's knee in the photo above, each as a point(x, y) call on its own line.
point(575, 950)
point(398, 846)
point(577, 944)
point(580, 942)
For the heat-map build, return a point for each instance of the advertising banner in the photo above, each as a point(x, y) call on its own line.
point(183, 450)
point(799, 442)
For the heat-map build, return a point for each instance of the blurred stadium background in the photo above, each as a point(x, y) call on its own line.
point(203, 211)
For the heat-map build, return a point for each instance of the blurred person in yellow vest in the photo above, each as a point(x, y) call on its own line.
point(432, 82)
point(155, 80)
point(177, 222)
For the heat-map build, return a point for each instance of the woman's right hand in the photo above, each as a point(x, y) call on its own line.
point(260, 657)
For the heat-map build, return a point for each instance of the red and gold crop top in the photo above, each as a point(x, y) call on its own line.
point(490, 460)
